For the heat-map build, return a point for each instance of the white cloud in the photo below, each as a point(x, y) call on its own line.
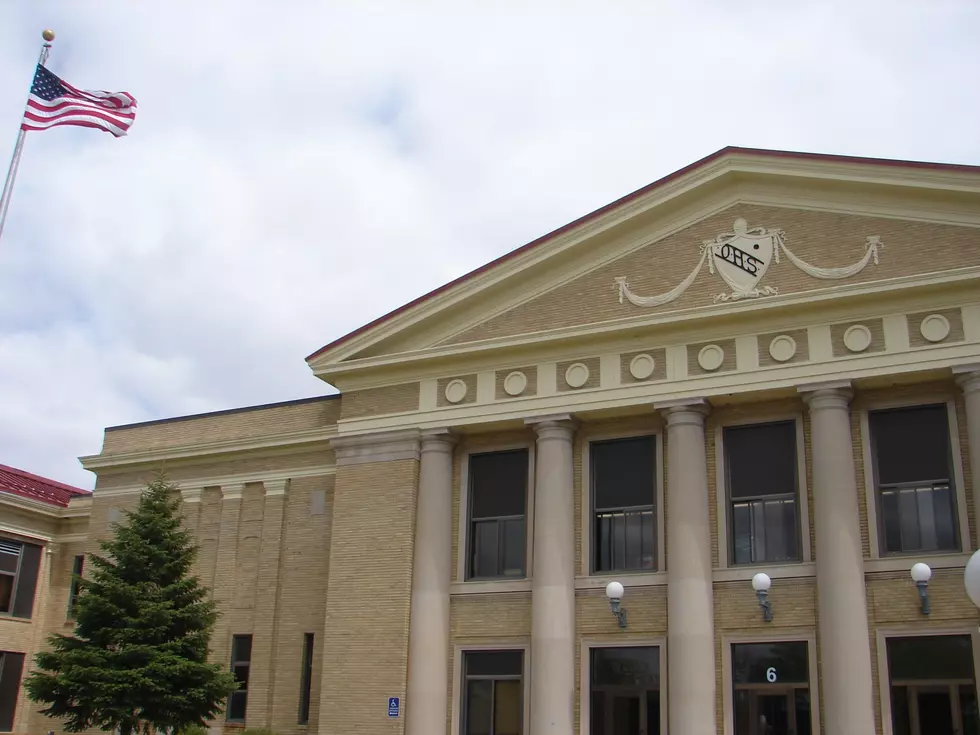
point(298, 169)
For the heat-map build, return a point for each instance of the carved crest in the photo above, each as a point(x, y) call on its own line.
point(742, 258)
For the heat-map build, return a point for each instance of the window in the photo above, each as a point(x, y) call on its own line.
point(624, 504)
point(19, 563)
point(932, 685)
point(771, 688)
point(306, 680)
point(625, 690)
point(493, 693)
point(914, 490)
point(498, 503)
point(11, 666)
point(76, 573)
point(761, 466)
point(241, 658)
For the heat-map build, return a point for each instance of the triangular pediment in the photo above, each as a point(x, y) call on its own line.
point(739, 227)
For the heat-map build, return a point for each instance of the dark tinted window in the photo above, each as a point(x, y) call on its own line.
point(624, 504)
point(930, 657)
point(241, 655)
point(916, 495)
point(761, 459)
point(782, 662)
point(498, 483)
point(493, 693)
point(498, 501)
point(761, 466)
point(19, 565)
point(911, 444)
point(11, 668)
point(306, 680)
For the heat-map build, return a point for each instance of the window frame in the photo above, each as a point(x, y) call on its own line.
point(723, 501)
point(807, 635)
point(232, 664)
point(585, 678)
point(43, 547)
point(966, 545)
point(590, 578)
point(462, 647)
point(74, 586)
point(18, 702)
point(464, 535)
point(912, 630)
point(306, 679)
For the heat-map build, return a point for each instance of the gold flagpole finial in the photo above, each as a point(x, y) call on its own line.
point(48, 35)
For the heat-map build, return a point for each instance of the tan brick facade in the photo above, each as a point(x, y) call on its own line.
point(306, 513)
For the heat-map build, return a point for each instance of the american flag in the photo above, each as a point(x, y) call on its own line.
point(54, 102)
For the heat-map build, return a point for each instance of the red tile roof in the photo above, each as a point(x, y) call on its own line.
point(18, 482)
point(830, 158)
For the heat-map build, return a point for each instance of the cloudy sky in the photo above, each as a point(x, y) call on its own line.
point(299, 168)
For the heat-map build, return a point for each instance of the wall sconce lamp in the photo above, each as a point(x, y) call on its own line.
point(614, 591)
point(921, 574)
point(761, 584)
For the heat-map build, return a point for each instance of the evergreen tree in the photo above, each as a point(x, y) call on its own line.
point(138, 658)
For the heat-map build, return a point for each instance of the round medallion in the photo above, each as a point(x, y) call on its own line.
point(515, 383)
point(642, 366)
point(456, 391)
point(577, 375)
point(857, 338)
point(711, 357)
point(935, 328)
point(782, 348)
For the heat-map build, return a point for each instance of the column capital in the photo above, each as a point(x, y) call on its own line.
point(232, 492)
point(830, 394)
point(555, 426)
point(191, 494)
point(438, 440)
point(684, 411)
point(967, 377)
point(275, 487)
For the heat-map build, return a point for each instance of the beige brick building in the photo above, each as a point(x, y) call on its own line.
point(761, 370)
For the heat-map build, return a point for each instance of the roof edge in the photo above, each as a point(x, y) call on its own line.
point(224, 412)
point(726, 151)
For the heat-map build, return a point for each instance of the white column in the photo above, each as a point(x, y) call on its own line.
point(845, 648)
point(553, 580)
point(428, 643)
point(968, 377)
point(690, 602)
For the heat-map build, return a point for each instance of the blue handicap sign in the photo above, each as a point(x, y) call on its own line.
point(393, 706)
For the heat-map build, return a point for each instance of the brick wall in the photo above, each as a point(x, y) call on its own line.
point(243, 423)
point(365, 636)
point(376, 401)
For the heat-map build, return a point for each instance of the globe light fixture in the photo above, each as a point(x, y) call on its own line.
point(971, 578)
point(614, 591)
point(921, 574)
point(761, 584)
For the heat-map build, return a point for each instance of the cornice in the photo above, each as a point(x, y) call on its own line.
point(225, 446)
point(783, 378)
point(386, 446)
point(30, 505)
point(199, 483)
point(682, 319)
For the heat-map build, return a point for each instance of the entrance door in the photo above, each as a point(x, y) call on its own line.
point(935, 711)
point(625, 713)
point(625, 697)
point(767, 712)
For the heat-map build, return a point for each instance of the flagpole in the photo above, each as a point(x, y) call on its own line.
point(8, 186)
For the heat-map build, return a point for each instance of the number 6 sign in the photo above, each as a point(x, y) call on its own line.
point(771, 674)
